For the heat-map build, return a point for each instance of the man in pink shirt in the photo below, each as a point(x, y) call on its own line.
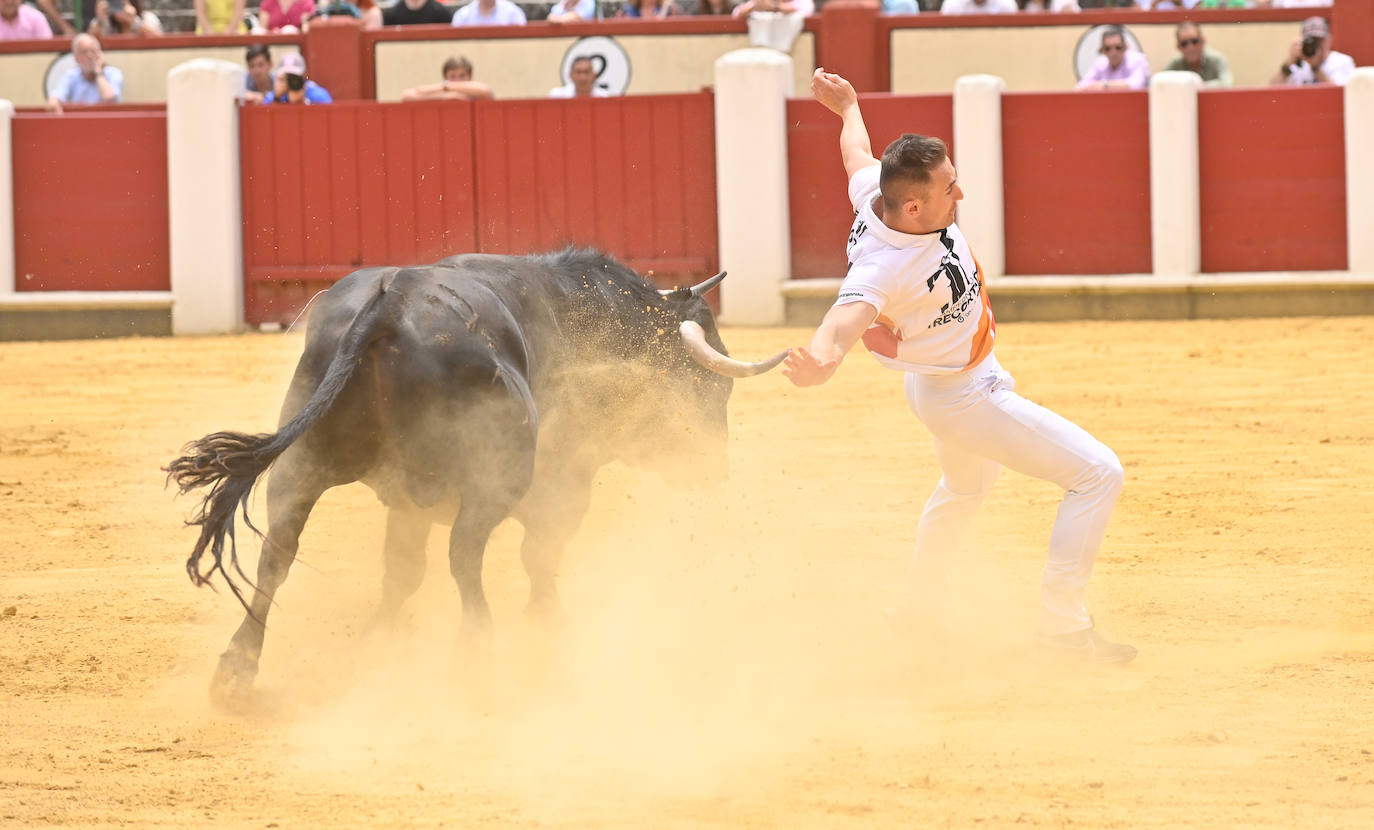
point(1116, 67)
point(22, 22)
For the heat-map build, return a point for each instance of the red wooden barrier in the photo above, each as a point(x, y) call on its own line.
point(1076, 180)
point(635, 176)
point(329, 189)
point(90, 190)
point(818, 192)
point(1272, 179)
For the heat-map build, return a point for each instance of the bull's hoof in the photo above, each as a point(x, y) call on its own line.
point(547, 614)
point(231, 687)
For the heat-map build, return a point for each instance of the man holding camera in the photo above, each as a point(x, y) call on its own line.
point(1311, 60)
point(290, 85)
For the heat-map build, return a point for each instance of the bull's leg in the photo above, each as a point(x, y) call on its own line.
point(551, 515)
point(404, 554)
point(290, 498)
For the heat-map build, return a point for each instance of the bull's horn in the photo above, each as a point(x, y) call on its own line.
point(699, 289)
point(706, 354)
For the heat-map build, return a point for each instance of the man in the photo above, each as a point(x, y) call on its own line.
point(1194, 56)
point(290, 85)
point(1117, 68)
point(979, 7)
point(1311, 60)
point(415, 12)
point(572, 11)
point(457, 85)
point(22, 22)
point(914, 295)
point(582, 77)
point(258, 84)
point(91, 81)
point(489, 13)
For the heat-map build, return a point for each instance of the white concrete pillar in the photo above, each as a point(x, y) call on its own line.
point(205, 216)
point(978, 145)
point(7, 285)
point(752, 86)
point(1359, 171)
point(1175, 200)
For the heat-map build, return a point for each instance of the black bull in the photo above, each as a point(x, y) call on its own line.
point(465, 392)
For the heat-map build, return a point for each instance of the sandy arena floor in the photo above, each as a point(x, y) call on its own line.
point(725, 663)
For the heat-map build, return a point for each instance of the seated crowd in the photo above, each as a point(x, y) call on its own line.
point(1119, 65)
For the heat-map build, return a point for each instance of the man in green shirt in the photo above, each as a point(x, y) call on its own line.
point(1194, 56)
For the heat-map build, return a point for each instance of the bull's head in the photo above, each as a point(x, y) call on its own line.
point(707, 355)
point(705, 387)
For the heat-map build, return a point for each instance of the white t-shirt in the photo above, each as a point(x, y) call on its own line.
point(570, 91)
point(1338, 67)
point(970, 7)
point(504, 13)
point(933, 312)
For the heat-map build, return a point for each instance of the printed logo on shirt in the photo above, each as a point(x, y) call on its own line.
point(963, 290)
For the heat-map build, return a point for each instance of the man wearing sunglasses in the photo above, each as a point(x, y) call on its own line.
point(1117, 67)
point(1194, 56)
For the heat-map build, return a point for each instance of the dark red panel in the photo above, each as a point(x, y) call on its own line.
point(1076, 179)
point(90, 190)
point(1272, 182)
point(614, 173)
point(818, 191)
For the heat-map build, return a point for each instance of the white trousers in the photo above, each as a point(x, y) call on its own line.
point(980, 425)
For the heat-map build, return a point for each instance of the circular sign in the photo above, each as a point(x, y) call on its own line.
point(608, 58)
point(57, 70)
point(1090, 47)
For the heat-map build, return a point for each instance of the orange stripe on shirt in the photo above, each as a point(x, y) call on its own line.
point(987, 326)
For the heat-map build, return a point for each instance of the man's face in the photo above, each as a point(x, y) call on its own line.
point(1190, 43)
point(458, 73)
point(9, 9)
point(940, 204)
point(583, 76)
point(1114, 47)
point(259, 69)
point(87, 54)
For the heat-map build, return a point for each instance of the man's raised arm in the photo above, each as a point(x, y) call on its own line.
point(839, 97)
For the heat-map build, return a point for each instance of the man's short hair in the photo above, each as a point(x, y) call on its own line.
point(581, 59)
point(459, 62)
point(257, 50)
point(1113, 31)
point(909, 161)
point(1187, 26)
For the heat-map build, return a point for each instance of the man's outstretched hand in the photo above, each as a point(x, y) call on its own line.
point(803, 369)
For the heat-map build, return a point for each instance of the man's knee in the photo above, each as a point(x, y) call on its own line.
point(1104, 473)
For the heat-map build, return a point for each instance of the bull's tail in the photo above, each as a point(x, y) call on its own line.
point(230, 463)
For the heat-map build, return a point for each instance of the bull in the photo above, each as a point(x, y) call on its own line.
point(463, 393)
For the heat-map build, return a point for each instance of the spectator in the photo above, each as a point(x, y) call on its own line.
point(648, 9)
point(415, 12)
point(1116, 67)
point(290, 85)
point(1311, 60)
point(1167, 5)
point(1194, 56)
point(1107, 4)
point(1293, 4)
point(801, 8)
point(49, 9)
point(1051, 6)
point(457, 85)
point(489, 13)
point(571, 11)
point(979, 7)
point(19, 21)
point(219, 17)
point(713, 6)
point(901, 7)
point(582, 76)
point(273, 16)
point(259, 82)
point(91, 81)
point(123, 17)
point(1224, 4)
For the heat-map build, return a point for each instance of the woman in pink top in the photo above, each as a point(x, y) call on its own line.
point(273, 18)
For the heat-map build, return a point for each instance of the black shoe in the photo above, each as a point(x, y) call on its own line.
point(1088, 646)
